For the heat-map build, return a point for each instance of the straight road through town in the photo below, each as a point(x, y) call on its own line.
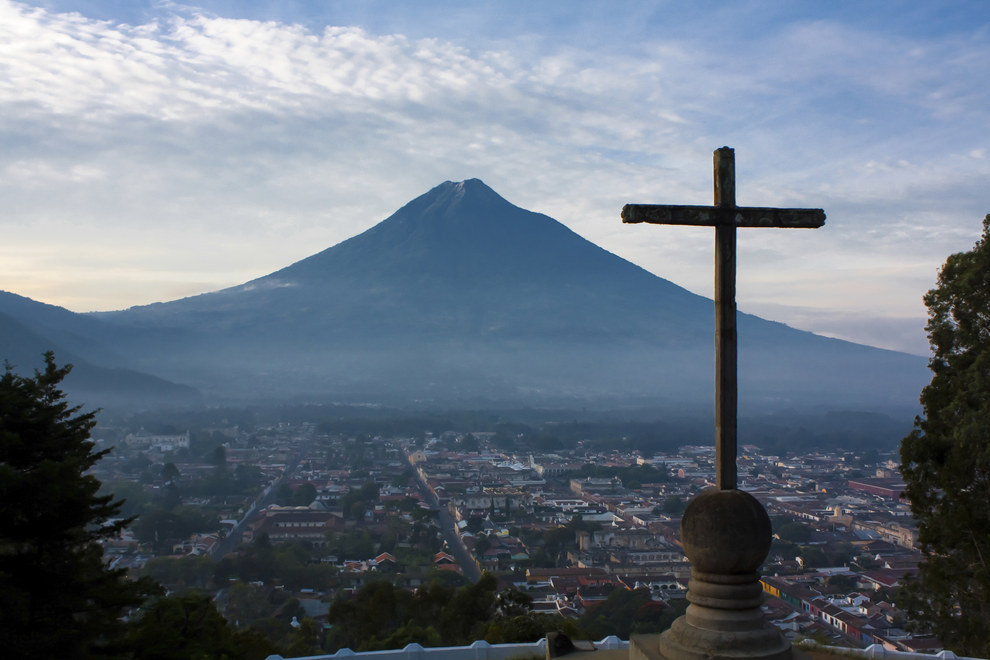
point(448, 528)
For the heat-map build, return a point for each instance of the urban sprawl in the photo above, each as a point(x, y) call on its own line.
point(334, 511)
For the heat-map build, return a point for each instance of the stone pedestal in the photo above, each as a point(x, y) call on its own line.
point(726, 536)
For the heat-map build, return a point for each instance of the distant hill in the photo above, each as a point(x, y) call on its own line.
point(93, 386)
point(461, 298)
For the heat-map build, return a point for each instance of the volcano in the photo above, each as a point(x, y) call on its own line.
point(461, 297)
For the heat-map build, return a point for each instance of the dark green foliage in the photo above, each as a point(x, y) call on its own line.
point(813, 556)
point(406, 478)
point(268, 612)
point(464, 620)
point(547, 442)
point(821, 556)
point(134, 497)
point(625, 612)
point(513, 602)
point(530, 627)
point(557, 540)
point(245, 480)
point(305, 640)
point(841, 583)
point(355, 503)
point(283, 494)
point(246, 604)
point(475, 524)
point(353, 544)
point(375, 611)
point(795, 532)
point(380, 614)
point(161, 526)
point(288, 564)
point(218, 457)
point(383, 616)
point(784, 550)
point(481, 544)
point(631, 477)
point(303, 495)
point(469, 443)
point(841, 554)
point(674, 609)
point(404, 635)
point(189, 626)
point(58, 599)
point(946, 459)
point(515, 623)
point(673, 505)
point(448, 579)
point(170, 472)
point(181, 572)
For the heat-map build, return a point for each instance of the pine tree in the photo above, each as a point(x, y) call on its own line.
point(945, 460)
point(58, 597)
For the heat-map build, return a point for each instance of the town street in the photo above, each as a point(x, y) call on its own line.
point(448, 528)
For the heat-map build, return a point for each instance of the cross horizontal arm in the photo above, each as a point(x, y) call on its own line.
point(710, 216)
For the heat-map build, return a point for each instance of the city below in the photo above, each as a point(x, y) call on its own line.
point(278, 520)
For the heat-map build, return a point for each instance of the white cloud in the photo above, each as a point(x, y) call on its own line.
point(261, 142)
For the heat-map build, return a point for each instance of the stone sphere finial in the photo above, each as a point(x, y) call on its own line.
point(726, 535)
point(726, 532)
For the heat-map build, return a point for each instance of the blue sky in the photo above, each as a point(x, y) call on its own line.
point(154, 150)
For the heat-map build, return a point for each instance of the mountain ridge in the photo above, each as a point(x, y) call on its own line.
point(461, 295)
point(92, 385)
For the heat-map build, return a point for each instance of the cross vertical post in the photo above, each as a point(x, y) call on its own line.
point(726, 383)
point(725, 216)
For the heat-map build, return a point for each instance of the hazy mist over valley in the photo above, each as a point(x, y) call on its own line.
point(458, 300)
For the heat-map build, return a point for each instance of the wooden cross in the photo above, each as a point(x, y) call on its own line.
point(725, 216)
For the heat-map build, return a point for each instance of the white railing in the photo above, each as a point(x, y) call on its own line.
point(480, 650)
point(877, 651)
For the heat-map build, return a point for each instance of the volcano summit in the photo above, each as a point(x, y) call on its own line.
point(461, 298)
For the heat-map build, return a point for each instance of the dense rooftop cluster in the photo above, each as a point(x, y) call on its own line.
point(290, 517)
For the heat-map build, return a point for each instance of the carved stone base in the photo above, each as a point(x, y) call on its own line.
point(647, 647)
point(724, 621)
point(726, 535)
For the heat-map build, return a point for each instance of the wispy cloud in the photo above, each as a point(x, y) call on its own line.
point(228, 147)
